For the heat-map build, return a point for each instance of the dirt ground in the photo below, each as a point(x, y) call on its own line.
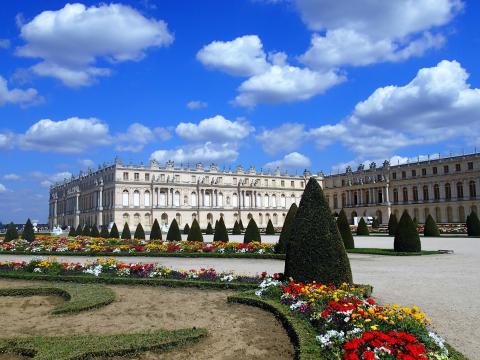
point(235, 331)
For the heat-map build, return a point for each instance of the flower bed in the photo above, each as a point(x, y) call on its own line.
point(350, 325)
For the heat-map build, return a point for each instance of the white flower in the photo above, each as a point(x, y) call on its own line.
point(439, 341)
point(228, 278)
point(37, 270)
point(328, 338)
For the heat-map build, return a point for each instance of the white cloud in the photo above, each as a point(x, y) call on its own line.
point(11, 177)
point(215, 129)
point(70, 41)
point(198, 153)
point(287, 137)
point(196, 104)
point(6, 141)
point(55, 178)
point(243, 56)
point(3, 189)
point(135, 138)
point(86, 163)
point(293, 160)
point(4, 43)
point(25, 97)
point(163, 134)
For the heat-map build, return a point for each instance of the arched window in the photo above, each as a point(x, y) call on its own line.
point(126, 218)
point(260, 218)
point(416, 214)
point(344, 200)
point(185, 200)
point(405, 194)
point(473, 189)
point(335, 201)
point(207, 198)
point(436, 192)
point(259, 200)
point(459, 190)
point(294, 200)
point(448, 191)
point(274, 201)
point(234, 200)
point(395, 196)
point(461, 214)
point(136, 219)
point(136, 198)
point(438, 215)
point(147, 219)
point(355, 198)
point(163, 198)
point(178, 217)
point(266, 202)
point(367, 196)
point(415, 193)
point(164, 219)
point(146, 198)
point(220, 200)
point(449, 215)
point(425, 193)
point(283, 201)
point(247, 200)
point(125, 198)
point(193, 199)
point(275, 219)
point(176, 198)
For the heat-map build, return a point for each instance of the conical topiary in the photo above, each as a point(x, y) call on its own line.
point(415, 221)
point(392, 224)
point(195, 234)
point(79, 230)
point(281, 246)
point(104, 232)
point(139, 232)
point(71, 232)
point(345, 231)
point(216, 224)
point(94, 231)
point(221, 233)
point(126, 234)
point(375, 223)
point(186, 229)
point(86, 230)
point(28, 231)
point(270, 230)
point(362, 228)
point(251, 232)
point(155, 232)
point(315, 251)
point(430, 228)
point(174, 232)
point(114, 232)
point(12, 233)
point(406, 235)
point(240, 223)
point(473, 225)
point(209, 230)
point(236, 229)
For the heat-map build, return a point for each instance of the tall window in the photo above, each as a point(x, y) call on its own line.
point(146, 198)
point(125, 198)
point(459, 190)
point(436, 192)
point(274, 201)
point(415, 193)
point(448, 191)
point(136, 198)
point(125, 176)
point(425, 193)
point(473, 189)
point(405, 194)
point(193, 199)
point(266, 202)
point(220, 199)
point(283, 202)
point(234, 200)
point(176, 198)
point(395, 196)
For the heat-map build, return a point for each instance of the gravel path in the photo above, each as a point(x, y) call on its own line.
point(446, 287)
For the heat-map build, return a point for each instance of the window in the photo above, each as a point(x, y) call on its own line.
point(193, 199)
point(147, 177)
point(177, 178)
point(162, 177)
point(415, 193)
point(434, 170)
point(436, 192)
point(234, 181)
point(395, 196)
point(302, 184)
point(282, 182)
point(266, 202)
point(473, 189)
point(405, 194)
point(448, 191)
point(425, 193)
point(125, 198)
point(266, 182)
point(404, 174)
point(458, 167)
point(136, 198)
point(445, 169)
point(292, 183)
point(424, 172)
point(125, 176)
point(146, 198)
point(335, 201)
point(274, 183)
point(394, 176)
point(136, 176)
point(414, 173)
point(459, 190)
point(176, 199)
point(470, 166)
point(194, 179)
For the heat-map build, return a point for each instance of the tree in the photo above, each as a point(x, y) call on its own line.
point(270, 230)
point(430, 228)
point(12, 233)
point(86, 230)
point(236, 229)
point(155, 232)
point(72, 232)
point(126, 234)
point(186, 229)
point(139, 232)
point(251, 232)
point(209, 230)
point(345, 231)
point(362, 228)
point(473, 225)
point(216, 224)
point(392, 224)
point(315, 251)
point(79, 230)
point(240, 223)
point(28, 231)
point(406, 235)
point(94, 231)
point(221, 233)
point(195, 234)
point(114, 232)
point(174, 232)
point(375, 223)
point(104, 232)
point(281, 246)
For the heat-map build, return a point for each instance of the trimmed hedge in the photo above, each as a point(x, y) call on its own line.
point(174, 232)
point(473, 224)
point(94, 231)
point(406, 235)
point(392, 224)
point(12, 233)
point(221, 233)
point(114, 232)
point(28, 231)
point(155, 232)
point(362, 228)
point(209, 230)
point(72, 232)
point(281, 245)
point(270, 230)
point(195, 234)
point(345, 231)
point(252, 233)
point(104, 232)
point(236, 229)
point(430, 228)
point(139, 232)
point(126, 234)
point(186, 229)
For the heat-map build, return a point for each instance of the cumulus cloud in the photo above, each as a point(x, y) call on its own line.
point(21, 97)
point(198, 153)
point(215, 129)
point(86, 163)
point(55, 178)
point(196, 104)
point(72, 40)
point(3, 189)
point(11, 177)
point(135, 138)
point(293, 160)
point(286, 137)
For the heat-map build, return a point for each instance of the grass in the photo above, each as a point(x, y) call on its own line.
point(390, 252)
point(87, 346)
point(79, 297)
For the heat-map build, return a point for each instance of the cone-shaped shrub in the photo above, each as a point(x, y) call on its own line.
point(104, 232)
point(415, 221)
point(281, 246)
point(345, 231)
point(72, 232)
point(209, 230)
point(236, 229)
point(392, 224)
point(216, 224)
point(114, 232)
point(240, 223)
point(126, 234)
point(79, 230)
point(473, 225)
point(155, 232)
point(362, 228)
point(28, 232)
point(94, 231)
point(430, 228)
point(251, 232)
point(86, 230)
point(375, 223)
point(406, 235)
point(186, 229)
point(315, 251)
point(139, 232)
point(174, 232)
point(195, 234)
point(221, 233)
point(12, 233)
point(270, 230)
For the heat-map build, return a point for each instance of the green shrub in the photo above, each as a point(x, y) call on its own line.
point(86, 230)
point(195, 234)
point(221, 233)
point(270, 230)
point(473, 224)
point(236, 229)
point(415, 221)
point(252, 233)
point(240, 223)
point(72, 232)
point(79, 230)
point(94, 231)
point(126, 234)
point(12, 233)
point(392, 224)
point(216, 224)
point(430, 228)
point(186, 229)
point(406, 235)
point(281, 245)
point(316, 251)
point(114, 232)
point(28, 231)
point(345, 231)
point(104, 232)
point(362, 228)
point(174, 232)
point(375, 223)
point(209, 230)
point(155, 232)
point(139, 232)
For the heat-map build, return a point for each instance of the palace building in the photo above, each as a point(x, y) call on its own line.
point(447, 188)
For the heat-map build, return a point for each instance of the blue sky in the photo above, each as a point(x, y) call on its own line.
point(316, 84)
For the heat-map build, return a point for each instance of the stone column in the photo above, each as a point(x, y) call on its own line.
point(100, 207)
point(77, 210)
point(387, 194)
